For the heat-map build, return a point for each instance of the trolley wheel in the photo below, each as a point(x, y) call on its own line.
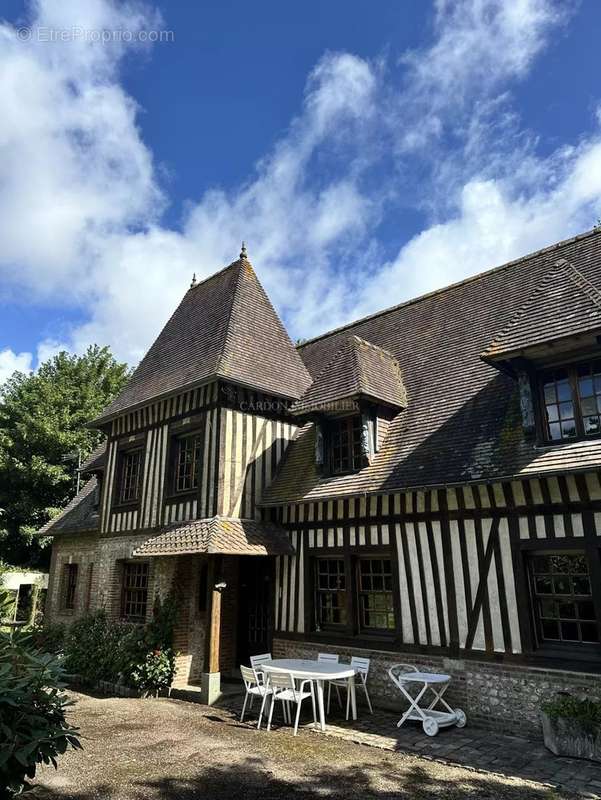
point(461, 718)
point(430, 726)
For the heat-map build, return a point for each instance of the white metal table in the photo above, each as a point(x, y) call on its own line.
point(432, 719)
point(320, 672)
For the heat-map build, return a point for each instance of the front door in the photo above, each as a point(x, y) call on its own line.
point(256, 599)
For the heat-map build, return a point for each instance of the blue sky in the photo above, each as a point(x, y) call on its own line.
point(367, 152)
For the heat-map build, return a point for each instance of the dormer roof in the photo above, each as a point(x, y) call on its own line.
point(564, 304)
point(225, 327)
point(358, 370)
point(463, 421)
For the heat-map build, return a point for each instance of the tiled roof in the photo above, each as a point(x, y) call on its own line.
point(357, 369)
point(225, 327)
point(96, 460)
point(224, 535)
point(564, 303)
point(462, 422)
point(80, 515)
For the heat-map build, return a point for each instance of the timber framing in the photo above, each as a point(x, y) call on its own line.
point(455, 498)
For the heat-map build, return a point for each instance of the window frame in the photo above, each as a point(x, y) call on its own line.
point(352, 631)
point(572, 651)
point(175, 461)
point(371, 630)
point(571, 368)
point(318, 625)
point(69, 587)
point(355, 460)
point(143, 570)
point(123, 456)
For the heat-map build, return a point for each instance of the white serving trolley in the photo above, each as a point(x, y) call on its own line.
point(432, 718)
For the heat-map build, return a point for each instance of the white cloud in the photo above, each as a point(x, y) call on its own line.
point(72, 163)
point(12, 362)
point(493, 224)
point(80, 205)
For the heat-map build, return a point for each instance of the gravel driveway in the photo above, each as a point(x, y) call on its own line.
point(168, 749)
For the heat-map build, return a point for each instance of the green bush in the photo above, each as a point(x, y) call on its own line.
point(101, 649)
point(155, 673)
point(33, 727)
point(586, 712)
point(49, 638)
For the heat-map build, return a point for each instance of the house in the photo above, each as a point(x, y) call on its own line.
point(422, 486)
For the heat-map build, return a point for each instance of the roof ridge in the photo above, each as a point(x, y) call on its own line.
point(582, 282)
point(521, 309)
point(228, 331)
point(335, 355)
point(357, 342)
point(375, 346)
point(464, 281)
point(213, 275)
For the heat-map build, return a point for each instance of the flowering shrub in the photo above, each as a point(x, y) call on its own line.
point(155, 673)
point(101, 649)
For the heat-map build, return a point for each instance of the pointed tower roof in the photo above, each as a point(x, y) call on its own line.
point(358, 369)
point(224, 327)
point(563, 304)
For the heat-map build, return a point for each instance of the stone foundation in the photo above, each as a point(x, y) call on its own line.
point(502, 697)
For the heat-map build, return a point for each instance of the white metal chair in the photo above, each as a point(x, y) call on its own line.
point(254, 686)
point(361, 667)
point(282, 687)
point(256, 661)
point(331, 658)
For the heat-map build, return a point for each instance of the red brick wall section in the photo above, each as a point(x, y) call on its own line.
point(189, 640)
point(178, 574)
point(500, 697)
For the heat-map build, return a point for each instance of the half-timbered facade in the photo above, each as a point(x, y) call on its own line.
point(422, 485)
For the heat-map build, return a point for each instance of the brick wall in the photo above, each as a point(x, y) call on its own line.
point(501, 697)
point(80, 550)
point(181, 575)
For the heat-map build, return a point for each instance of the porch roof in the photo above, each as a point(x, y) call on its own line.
point(218, 535)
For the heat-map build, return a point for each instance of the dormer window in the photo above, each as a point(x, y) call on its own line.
point(360, 384)
point(571, 401)
point(346, 452)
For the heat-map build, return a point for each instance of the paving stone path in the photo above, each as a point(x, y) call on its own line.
point(472, 747)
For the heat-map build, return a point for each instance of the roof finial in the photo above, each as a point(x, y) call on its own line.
point(193, 281)
point(243, 253)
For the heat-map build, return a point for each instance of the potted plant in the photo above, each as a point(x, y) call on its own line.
point(572, 726)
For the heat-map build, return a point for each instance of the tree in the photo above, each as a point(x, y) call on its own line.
point(43, 418)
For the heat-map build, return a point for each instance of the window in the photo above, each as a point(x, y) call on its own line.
point(563, 603)
point(571, 398)
point(134, 591)
point(131, 468)
point(374, 590)
point(330, 592)
point(89, 588)
point(346, 454)
point(187, 465)
point(69, 586)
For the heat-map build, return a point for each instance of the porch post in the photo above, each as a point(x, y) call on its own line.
point(210, 681)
